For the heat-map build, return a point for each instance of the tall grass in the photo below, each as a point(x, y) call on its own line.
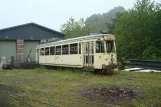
point(61, 87)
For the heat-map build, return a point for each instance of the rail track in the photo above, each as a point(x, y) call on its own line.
point(25, 100)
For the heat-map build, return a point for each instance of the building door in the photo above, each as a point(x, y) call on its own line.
point(8, 49)
point(30, 51)
point(88, 54)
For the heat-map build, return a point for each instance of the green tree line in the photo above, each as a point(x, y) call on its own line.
point(73, 28)
point(137, 30)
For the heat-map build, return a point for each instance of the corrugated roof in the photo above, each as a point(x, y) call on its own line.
point(32, 23)
point(29, 31)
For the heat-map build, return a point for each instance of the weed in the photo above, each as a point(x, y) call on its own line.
point(85, 98)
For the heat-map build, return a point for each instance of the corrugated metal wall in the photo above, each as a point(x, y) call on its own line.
point(8, 49)
point(28, 45)
point(31, 34)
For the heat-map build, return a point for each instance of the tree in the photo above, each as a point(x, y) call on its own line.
point(136, 32)
point(111, 26)
point(73, 28)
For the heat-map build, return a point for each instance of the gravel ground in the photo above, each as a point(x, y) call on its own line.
point(111, 94)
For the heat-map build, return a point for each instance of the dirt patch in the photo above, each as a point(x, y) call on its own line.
point(111, 94)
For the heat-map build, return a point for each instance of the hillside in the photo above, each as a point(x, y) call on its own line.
point(100, 20)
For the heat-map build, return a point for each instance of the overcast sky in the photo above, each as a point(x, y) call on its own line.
point(53, 13)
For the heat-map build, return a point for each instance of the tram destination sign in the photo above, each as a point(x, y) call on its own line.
point(49, 40)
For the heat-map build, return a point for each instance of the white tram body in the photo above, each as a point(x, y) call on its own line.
point(93, 51)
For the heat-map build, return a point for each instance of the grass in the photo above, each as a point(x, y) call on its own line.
point(62, 88)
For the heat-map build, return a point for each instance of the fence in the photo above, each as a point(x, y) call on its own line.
point(21, 58)
point(19, 61)
point(146, 64)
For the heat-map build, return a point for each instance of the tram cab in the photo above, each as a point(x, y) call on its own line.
point(101, 53)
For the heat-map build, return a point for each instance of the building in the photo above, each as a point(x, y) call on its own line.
point(18, 41)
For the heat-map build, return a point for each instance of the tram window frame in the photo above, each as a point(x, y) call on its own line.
point(42, 51)
point(92, 48)
point(37, 51)
point(74, 48)
point(111, 47)
point(65, 49)
point(80, 48)
point(52, 50)
point(47, 51)
point(59, 52)
point(100, 47)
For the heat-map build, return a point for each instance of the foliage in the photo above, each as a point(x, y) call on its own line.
point(137, 32)
point(93, 24)
point(73, 28)
point(111, 26)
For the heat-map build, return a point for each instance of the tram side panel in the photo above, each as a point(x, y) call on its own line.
point(63, 60)
point(99, 60)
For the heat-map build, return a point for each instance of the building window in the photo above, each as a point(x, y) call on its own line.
point(74, 48)
point(65, 49)
point(47, 51)
point(42, 53)
point(99, 47)
point(52, 50)
point(58, 50)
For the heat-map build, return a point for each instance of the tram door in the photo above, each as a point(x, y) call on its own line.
point(88, 54)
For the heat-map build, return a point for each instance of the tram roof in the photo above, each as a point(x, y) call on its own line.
point(77, 39)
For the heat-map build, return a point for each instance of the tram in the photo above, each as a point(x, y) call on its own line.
point(97, 52)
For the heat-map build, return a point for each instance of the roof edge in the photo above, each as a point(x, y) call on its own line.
point(32, 23)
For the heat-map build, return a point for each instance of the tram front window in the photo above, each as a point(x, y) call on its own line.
point(99, 47)
point(110, 46)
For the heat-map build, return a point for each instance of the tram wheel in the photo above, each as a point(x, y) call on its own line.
point(109, 72)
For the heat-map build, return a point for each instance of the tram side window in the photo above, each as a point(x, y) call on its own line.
point(65, 49)
point(52, 50)
point(110, 46)
point(92, 48)
point(74, 48)
point(47, 51)
point(99, 47)
point(79, 48)
point(58, 50)
point(42, 53)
